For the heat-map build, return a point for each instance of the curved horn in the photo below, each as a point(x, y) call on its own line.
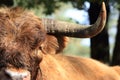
point(76, 30)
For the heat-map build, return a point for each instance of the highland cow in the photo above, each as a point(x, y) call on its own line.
point(30, 47)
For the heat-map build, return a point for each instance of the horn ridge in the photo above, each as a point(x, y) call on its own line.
point(76, 30)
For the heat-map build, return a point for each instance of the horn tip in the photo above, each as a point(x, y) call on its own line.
point(103, 11)
point(103, 7)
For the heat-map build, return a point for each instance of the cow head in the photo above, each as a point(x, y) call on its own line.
point(24, 39)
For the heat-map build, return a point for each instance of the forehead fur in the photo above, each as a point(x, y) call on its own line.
point(15, 12)
point(20, 26)
point(22, 29)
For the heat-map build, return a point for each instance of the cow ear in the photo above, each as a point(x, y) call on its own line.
point(54, 44)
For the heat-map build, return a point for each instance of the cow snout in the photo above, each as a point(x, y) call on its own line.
point(18, 74)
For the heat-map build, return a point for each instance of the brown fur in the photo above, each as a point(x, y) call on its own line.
point(24, 44)
point(117, 68)
point(61, 67)
point(21, 37)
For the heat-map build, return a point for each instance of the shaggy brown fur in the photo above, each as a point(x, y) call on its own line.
point(21, 37)
point(24, 44)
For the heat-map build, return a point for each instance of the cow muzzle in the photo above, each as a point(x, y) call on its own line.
point(16, 74)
